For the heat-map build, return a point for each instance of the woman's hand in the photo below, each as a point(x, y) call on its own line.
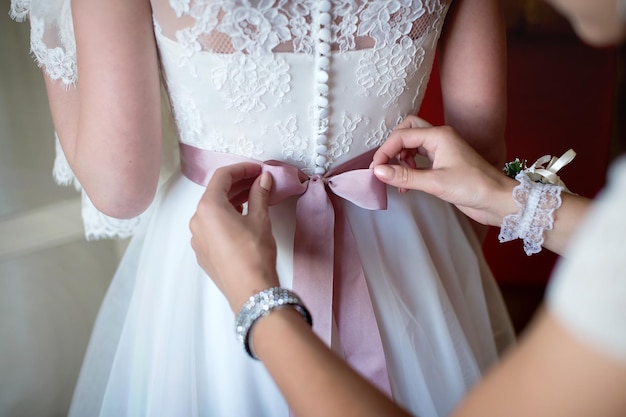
point(238, 251)
point(457, 174)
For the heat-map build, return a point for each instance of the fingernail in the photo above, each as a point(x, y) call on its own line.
point(266, 181)
point(384, 172)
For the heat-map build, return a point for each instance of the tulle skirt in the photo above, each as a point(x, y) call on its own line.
point(164, 341)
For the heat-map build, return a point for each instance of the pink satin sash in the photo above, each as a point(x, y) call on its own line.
point(328, 274)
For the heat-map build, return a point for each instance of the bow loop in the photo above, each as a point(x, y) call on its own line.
point(361, 187)
point(288, 181)
point(547, 174)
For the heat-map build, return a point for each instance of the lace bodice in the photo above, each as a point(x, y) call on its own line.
point(313, 83)
point(243, 75)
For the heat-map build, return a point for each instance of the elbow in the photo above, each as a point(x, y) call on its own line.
point(123, 203)
point(121, 191)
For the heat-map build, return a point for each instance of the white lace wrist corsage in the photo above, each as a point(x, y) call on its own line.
point(538, 195)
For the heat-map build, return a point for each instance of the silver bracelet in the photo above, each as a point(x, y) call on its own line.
point(260, 305)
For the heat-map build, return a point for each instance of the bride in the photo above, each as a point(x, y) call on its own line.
point(309, 89)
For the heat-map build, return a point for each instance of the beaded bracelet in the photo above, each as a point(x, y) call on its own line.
point(260, 305)
point(538, 195)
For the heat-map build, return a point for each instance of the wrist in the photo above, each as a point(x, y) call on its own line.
point(260, 281)
point(271, 328)
point(494, 199)
point(502, 202)
point(262, 304)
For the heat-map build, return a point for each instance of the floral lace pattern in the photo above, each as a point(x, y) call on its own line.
point(59, 62)
point(384, 71)
point(244, 81)
point(377, 136)
point(389, 21)
point(19, 10)
point(238, 146)
point(255, 28)
point(294, 146)
point(261, 26)
point(189, 121)
point(345, 138)
point(249, 77)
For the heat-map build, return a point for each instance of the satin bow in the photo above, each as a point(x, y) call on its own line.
point(328, 275)
point(547, 174)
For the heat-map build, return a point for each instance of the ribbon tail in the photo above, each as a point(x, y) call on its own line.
point(557, 163)
point(356, 321)
point(313, 256)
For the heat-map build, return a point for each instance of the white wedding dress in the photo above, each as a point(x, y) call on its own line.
point(312, 84)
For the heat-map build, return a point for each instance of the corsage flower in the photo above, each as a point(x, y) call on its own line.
point(539, 171)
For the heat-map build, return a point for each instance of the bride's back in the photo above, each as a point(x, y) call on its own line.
point(254, 79)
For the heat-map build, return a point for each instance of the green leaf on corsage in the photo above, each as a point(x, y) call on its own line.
point(513, 168)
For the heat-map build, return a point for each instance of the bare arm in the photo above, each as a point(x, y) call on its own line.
point(109, 125)
point(312, 378)
point(462, 177)
point(472, 56)
point(551, 373)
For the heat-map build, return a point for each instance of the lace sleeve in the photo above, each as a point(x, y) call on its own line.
point(19, 10)
point(51, 36)
point(53, 46)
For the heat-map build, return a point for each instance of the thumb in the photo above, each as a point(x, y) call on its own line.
point(398, 176)
point(259, 198)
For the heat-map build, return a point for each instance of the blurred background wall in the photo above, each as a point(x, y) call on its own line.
point(51, 280)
